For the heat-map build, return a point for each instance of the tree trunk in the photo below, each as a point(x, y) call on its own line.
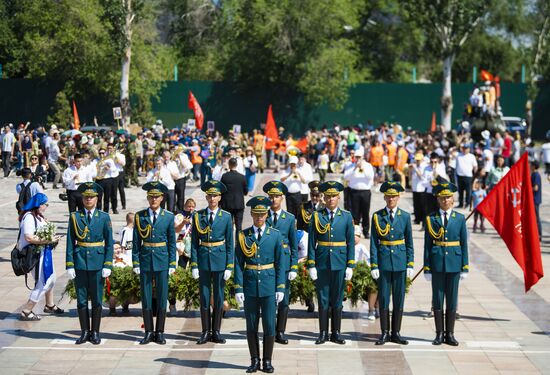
point(126, 59)
point(446, 97)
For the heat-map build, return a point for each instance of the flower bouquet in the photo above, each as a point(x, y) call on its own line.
point(48, 233)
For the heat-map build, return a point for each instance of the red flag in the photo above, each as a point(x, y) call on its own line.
point(433, 127)
point(302, 145)
point(511, 210)
point(194, 105)
point(76, 119)
point(486, 76)
point(271, 132)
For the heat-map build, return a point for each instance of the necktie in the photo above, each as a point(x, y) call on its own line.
point(275, 218)
point(211, 220)
point(331, 216)
point(391, 216)
point(445, 219)
point(154, 217)
point(89, 217)
point(259, 234)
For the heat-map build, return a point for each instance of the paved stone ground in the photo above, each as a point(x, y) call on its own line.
point(503, 330)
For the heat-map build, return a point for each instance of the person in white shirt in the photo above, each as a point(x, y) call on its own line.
point(106, 177)
point(53, 157)
point(251, 168)
point(127, 236)
point(120, 161)
point(235, 152)
point(183, 166)
point(323, 161)
point(417, 186)
point(164, 172)
point(545, 158)
point(466, 167)
point(7, 141)
point(305, 170)
point(360, 179)
point(429, 179)
point(72, 177)
point(222, 167)
point(293, 179)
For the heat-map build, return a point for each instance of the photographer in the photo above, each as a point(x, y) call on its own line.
point(26, 189)
point(40, 171)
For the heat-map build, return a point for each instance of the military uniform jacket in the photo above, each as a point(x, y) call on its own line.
point(286, 225)
point(154, 246)
point(386, 251)
point(268, 251)
point(212, 245)
point(304, 217)
point(89, 245)
point(331, 246)
point(445, 249)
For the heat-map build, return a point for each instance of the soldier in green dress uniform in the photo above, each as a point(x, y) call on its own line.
point(392, 260)
point(331, 258)
point(154, 258)
point(285, 223)
point(260, 280)
point(445, 259)
point(89, 259)
point(212, 258)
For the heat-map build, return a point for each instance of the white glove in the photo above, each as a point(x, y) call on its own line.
point(279, 296)
point(375, 274)
point(428, 277)
point(463, 275)
point(349, 274)
point(313, 273)
point(171, 271)
point(72, 273)
point(105, 273)
point(292, 275)
point(195, 273)
point(240, 298)
point(226, 274)
point(410, 272)
point(136, 270)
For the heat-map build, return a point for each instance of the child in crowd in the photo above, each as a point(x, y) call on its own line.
point(120, 259)
point(478, 194)
point(362, 253)
point(127, 233)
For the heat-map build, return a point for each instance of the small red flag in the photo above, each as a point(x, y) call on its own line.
point(486, 76)
point(76, 120)
point(271, 132)
point(433, 126)
point(302, 145)
point(511, 209)
point(194, 105)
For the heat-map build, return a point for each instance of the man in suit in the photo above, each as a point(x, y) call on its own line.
point(154, 258)
point(285, 223)
point(259, 281)
point(331, 258)
point(392, 260)
point(445, 259)
point(89, 259)
point(233, 196)
point(212, 258)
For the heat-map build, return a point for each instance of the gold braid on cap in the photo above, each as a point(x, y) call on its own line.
point(306, 216)
point(79, 233)
point(437, 235)
point(248, 251)
point(144, 232)
point(206, 230)
point(381, 232)
point(321, 229)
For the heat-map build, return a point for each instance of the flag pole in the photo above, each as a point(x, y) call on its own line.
point(470, 214)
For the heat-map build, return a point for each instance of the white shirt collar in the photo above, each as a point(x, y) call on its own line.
point(329, 211)
point(256, 230)
point(90, 211)
point(391, 210)
point(277, 212)
point(208, 210)
point(442, 213)
point(151, 212)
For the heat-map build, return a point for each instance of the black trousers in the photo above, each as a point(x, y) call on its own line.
point(6, 161)
point(430, 203)
point(418, 207)
point(74, 200)
point(360, 208)
point(464, 186)
point(168, 201)
point(347, 199)
point(237, 214)
point(109, 194)
point(120, 185)
point(180, 193)
point(293, 202)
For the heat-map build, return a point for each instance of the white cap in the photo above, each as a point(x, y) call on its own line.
point(360, 152)
point(486, 134)
point(293, 160)
point(84, 139)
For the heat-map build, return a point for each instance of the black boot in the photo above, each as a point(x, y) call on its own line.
point(84, 319)
point(282, 316)
point(254, 349)
point(159, 329)
point(450, 317)
point(206, 326)
point(396, 318)
point(323, 326)
point(385, 327)
point(310, 305)
point(269, 341)
point(438, 318)
point(216, 325)
point(96, 322)
point(148, 325)
point(336, 325)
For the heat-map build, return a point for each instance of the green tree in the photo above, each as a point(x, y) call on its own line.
point(61, 113)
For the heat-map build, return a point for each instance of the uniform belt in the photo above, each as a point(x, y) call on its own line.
point(212, 244)
point(258, 267)
point(391, 243)
point(154, 244)
point(452, 243)
point(90, 244)
point(325, 243)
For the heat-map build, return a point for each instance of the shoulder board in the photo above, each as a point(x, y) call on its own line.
point(290, 216)
point(345, 211)
point(142, 211)
point(457, 214)
point(169, 212)
point(101, 212)
point(381, 212)
point(224, 212)
point(275, 230)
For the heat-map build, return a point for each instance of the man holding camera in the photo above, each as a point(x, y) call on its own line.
point(26, 189)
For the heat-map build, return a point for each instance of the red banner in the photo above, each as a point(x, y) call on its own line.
point(271, 132)
point(511, 209)
point(76, 120)
point(486, 76)
point(193, 104)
